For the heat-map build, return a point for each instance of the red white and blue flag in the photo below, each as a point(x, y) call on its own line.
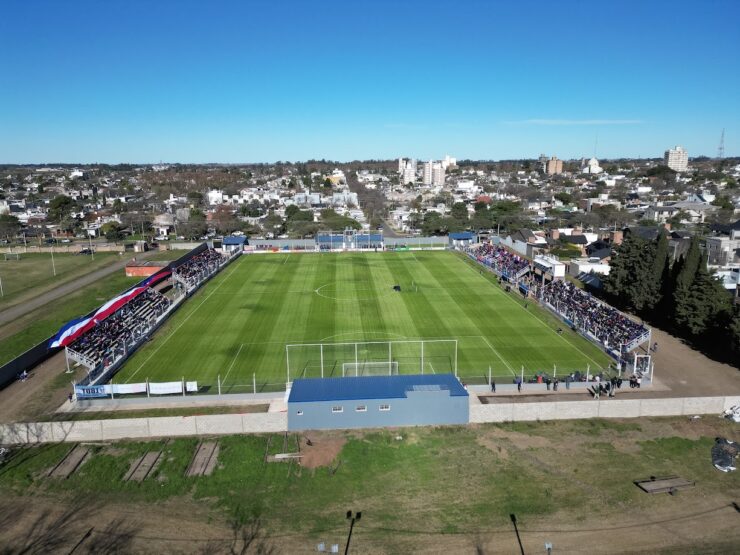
point(76, 328)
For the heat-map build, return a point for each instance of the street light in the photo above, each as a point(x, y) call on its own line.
point(353, 518)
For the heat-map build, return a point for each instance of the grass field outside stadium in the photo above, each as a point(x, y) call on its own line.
point(238, 325)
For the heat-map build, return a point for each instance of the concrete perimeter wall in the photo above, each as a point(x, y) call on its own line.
point(607, 408)
point(143, 428)
point(275, 422)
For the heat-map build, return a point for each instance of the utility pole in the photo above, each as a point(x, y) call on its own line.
point(53, 266)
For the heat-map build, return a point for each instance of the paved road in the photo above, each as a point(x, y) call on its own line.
point(10, 314)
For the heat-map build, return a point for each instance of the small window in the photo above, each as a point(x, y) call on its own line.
point(384, 408)
point(337, 409)
point(361, 408)
point(299, 412)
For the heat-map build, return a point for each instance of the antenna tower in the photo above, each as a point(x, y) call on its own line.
point(721, 149)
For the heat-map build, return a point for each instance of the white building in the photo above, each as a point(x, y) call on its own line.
point(449, 161)
point(592, 167)
point(677, 159)
point(408, 175)
point(427, 172)
point(438, 174)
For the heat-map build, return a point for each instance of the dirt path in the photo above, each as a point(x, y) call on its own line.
point(47, 297)
point(42, 393)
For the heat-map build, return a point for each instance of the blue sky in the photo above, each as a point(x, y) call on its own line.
point(217, 81)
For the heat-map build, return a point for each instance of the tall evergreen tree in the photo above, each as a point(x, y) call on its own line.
point(663, 309)
point(708, 303)
point(659, 262)
point(684, 277)
point(630, 271)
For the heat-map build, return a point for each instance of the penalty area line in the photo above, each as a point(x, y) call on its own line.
point(232, 363)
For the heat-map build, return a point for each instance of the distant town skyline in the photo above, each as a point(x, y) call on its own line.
point(234, 82)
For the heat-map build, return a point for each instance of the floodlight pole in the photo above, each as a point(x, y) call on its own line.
point(356, 361)
point(2, 293)
point(353, 518)
point(321, 350)
point(422, 357)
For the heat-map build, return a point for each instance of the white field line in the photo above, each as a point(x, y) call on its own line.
point(286, 258)
point(232, 363)
point(498, 355)
point(539, 320)
point(432, 367)
point(155, 351)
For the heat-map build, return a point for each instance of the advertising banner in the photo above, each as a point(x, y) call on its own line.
point(165, 388)
point(92, 391)
point(128, 388)
point(191, 387)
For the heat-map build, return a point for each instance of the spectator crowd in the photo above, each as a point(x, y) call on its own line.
point(607, 324)
point(199, 267)
point(499, 259)
point(109, 339)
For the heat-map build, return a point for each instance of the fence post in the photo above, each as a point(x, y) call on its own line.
point(489, 375)
point(554, 371)
point(183, 386)
point(219, 384)
point(588, 372)
point(254, 382)
point(522, 373)
point(147, 388)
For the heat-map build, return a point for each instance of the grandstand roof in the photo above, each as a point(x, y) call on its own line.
point(461, 236)
point(232, 240)
point(371, 387)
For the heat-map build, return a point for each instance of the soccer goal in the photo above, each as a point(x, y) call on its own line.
point(12, 256)
point(370, 368)
point(371, 358)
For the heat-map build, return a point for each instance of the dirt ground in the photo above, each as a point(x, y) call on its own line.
point(44, 391)
point(324, 448)
point(48, 525)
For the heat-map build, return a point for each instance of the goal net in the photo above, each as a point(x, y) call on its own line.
point(368, 358)
point(370, 368)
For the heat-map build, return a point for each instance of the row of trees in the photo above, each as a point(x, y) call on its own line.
point(683, 297)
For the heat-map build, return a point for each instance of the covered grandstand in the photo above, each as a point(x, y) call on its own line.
point(349, 240)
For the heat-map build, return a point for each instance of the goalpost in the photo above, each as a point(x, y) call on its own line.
point(12, 256)
point(371, 358)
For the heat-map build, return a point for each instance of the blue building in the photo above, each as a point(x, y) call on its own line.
point(376, 402)
point(462, 239)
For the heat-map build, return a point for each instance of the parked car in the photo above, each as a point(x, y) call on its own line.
point(85, 251)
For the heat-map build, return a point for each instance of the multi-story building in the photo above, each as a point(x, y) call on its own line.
point(438, 174)
point(408, 171)
point(427, 172)
point(677, 159)
point(554, 166)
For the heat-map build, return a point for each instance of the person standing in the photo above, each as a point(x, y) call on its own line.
point(493, 386)
point(568, 379)
point(555, 385)
point(519, 385)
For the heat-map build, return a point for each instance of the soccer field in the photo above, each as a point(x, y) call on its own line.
point(238, 325)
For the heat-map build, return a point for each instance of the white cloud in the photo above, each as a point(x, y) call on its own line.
point(576, 122)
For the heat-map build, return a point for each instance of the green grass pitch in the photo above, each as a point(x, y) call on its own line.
point(240, 322)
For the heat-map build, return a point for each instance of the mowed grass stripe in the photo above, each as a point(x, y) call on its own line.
point(575, 350)
point(264, 302)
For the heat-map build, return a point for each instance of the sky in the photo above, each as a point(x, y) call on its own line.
point(260, 81)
